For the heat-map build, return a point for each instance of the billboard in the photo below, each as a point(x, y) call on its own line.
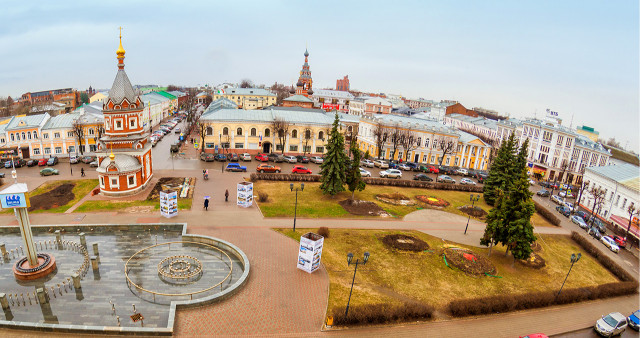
point(15, 200)
point(310, 252)
point(169, 203)
point(245, 194)
point(330, 106)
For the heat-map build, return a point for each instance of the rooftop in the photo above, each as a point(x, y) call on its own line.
point(625, 174)
point(298, 98)
point(248, 91)
point(31, 121)
point(333, 93)
point(63, 121)
point(293, 115)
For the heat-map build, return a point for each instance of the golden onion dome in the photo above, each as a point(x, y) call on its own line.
point(120, 50)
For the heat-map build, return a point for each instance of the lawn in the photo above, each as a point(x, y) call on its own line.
point(93, 206)
point(395, 277)
point(80, 190)
point(312, 203)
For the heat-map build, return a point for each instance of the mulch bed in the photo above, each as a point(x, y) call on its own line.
point(469, 261)
point(165, 182)
point(395, 199)
point(54, 198)
point(476, 212)
point(535, 261)
point(432, 201)
point(405, 242)
point(362, 208)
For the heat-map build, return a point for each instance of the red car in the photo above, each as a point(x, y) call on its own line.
point(262, 158)
point(433, 169)
point(42, 162)
point(267, 168)
point(298, 169)
point(620, 241)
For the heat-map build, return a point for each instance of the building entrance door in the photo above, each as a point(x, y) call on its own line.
point(416, 158)
point(266, 147)
point(25, 152)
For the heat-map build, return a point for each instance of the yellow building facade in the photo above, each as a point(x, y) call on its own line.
point(247, 98)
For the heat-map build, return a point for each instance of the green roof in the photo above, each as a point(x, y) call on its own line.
point(167, 95)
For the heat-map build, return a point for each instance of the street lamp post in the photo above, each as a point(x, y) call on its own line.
point(473, 200)
point(220, 151)
point(295, 209)
point(574, 259)
point(349, 259)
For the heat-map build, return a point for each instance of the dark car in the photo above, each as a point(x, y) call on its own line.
point(277, 158)
point(594, 232)
point(393, 165)
point(175, 147)
point(19, 163)
point(563, 210)
point(32, 163)
point(302, 159)
point(52, 160)
point(233, 157)
point(87, 159)
point(422, 177)
point(447, 170)
point(234, 166)
point(207, 157)
point(412, 166)
point(220, 157)
point(597, 223)
point(543, 193)
point(582, 214)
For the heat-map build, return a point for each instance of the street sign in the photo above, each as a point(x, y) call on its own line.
point(195, 145)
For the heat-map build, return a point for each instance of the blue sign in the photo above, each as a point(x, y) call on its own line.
point(13, 201)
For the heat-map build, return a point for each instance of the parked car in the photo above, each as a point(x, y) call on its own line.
point(481, 177)
point(267, 168)
point(557, 199)
point(94, 164)
point(566, 194)
point(367, 163)
point(381, 164)
point(632, 320)
point(42, 162)
point(597, 223)
point(404, 166)
point(232, 157)
point(620, 241)
point(391, 173)
point(177, 131)
point(32, 163)
point(532, 182)
point(245, 157)
point(73, 159)
point(610, 243)
point(276, 158)
point(612, 324)
point(543, 193)
point(412, 166)
point(220, 157)
point(8, 164)
point(422, 177)
point(235, 166)
point(465, 180)
point(446, 179)
point(316, 159)
point(432, 169)
point(262, 157)
point(365, 173)
point(290, 159)
point(579, 221)
point(52, 160)
point(393, 164)
point(87, 159)
point(207, 157)
point(299, 169)
point(594, 232)
point(302, 159)
point(582, 214)
point(563, 210)
point(462, 171)
point(568, 205)
point(447, 170)
point(49, 172)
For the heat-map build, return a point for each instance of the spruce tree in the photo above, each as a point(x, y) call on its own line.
point(353, 177)
point(334, 164)
point(501, 171)
point(518, 209)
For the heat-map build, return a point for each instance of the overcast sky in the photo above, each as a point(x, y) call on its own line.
point(579, 58)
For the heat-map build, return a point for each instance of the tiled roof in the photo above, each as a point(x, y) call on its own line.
point(122, 89)
point(123, 163)
point(63, 121)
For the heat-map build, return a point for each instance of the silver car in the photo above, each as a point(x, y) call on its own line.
point(557, 199)
point(610, 243)
point(612, 324)
point(365, 173)
point(316, 159)
point(381, 164)
point(245, 157)
point(367, 163)
point(290, 159)
point(391, 173)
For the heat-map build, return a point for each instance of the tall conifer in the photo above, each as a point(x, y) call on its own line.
point(335, 161)
point(500, 171)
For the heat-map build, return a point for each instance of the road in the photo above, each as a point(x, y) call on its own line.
point(591, 333)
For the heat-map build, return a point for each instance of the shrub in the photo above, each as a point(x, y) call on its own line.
point(323, 231)
point(603, 259)
point(263, 197)
point(382, 313)
point(546, 214)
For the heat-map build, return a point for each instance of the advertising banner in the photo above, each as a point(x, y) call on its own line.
point(17, 200)
point(330, 106)
point(245, 194)
point(310, 252)
point(169, 203)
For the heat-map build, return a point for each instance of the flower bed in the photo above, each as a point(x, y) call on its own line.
point(395, 199)
point(404, 242)
point(469, 261)
point(433, 201)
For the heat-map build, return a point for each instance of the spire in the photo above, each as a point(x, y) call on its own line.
point(306, 52)
point(120, 52)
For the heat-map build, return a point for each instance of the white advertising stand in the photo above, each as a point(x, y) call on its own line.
point(310, 252)
point(245, 194)
point(169, 203)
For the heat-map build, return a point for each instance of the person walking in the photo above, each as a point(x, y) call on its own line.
point(206, 204)
point(226, 195)
point(82, 172)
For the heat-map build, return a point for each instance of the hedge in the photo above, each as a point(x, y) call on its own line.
point(506, 303)
point(369, 180)
point(382, 313)
point(546, 214)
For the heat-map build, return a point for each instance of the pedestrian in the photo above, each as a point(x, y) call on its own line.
point(226, 195)
point(206, 204)
point(82, 172)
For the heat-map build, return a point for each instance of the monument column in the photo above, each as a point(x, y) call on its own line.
point(27, 236)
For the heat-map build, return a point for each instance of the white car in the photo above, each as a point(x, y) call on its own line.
point(391, 173)
point(381, 164)
point(465, 180)
point(557, 200)
point(245, 157)
point(74, 159)
point(462, 171)
point(365, 173)
point(404, 167)
point(316, 159)
point(610, 243)
point(532, 182)
point(568, 205)
point(367, 163)
point(290, 159)
point(612, 324)
point(566, 194)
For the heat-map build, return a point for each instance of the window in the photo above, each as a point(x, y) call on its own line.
point(546, 136)
point(321, 135)
point(92, 147)
point(560, 139)
point(47, 150)
point(58, 150)
point(624, 203)
point(35, 134)
point(239, 145)
point(419, 141)
point(239, 131)
point(306, 149)
point(24, 136)
point(253, 131)
point(119, 124)
point(101, 182)
point(90, 131)
point(69, 134)
point(293, 148)
point(319, 149)
point(307, 134)
point(72, 149)
point(225, 131)
point(426, 143)
point(209, 131)
point(617, 200)
point(569, 142)
point(424, 158)
point(36, 151)
point(279, 147)
point(435, 144)
point(464, 160)
point(433, 159)
point(12, 137)
point(267, 132)
point(448, 158)
point(456, 162)
point(18, 136)
point(131, 181)
point(132, 123)
point(114, 183)
point(294, 134)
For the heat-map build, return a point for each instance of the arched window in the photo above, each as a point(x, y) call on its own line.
point(350, 128)
point(267, 133)
point(239, 132)
point(35, 134)
point(18, 136)
point(307, 134)
point(253, 131)
point(209, 131)
point(90, 131)
point(294, 133)
point(12, 138)
point(225, 131)
point(28, 135)
point(321, 135)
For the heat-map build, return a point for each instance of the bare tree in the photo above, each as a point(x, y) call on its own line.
point(408, 140)
point(631, 210)
point(246, 83)
point(446, 147)
point(307, 139)
point(583, 185)
point(281, 129)
point(378, 137)
point(202, 132)
point(394, 135)
point(78, 129)
point(599, 195)
point(351, 136)
point(281, 91)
